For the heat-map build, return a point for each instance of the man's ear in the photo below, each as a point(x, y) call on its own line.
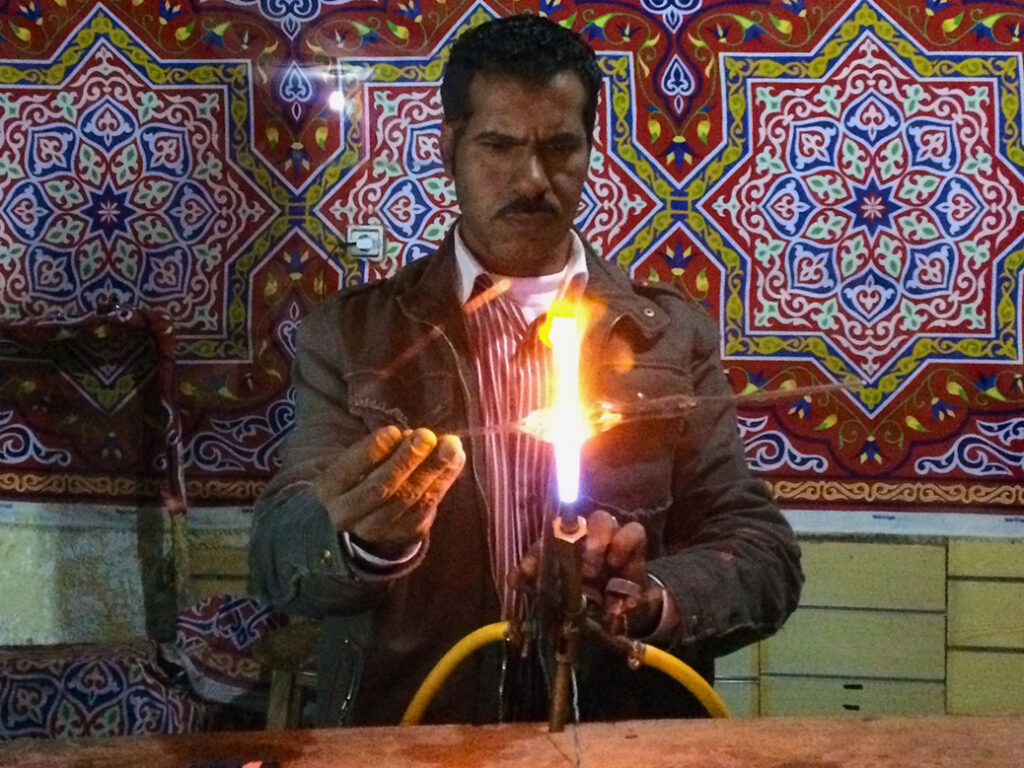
point(449, 136)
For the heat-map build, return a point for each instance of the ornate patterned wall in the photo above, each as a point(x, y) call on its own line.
point(842, 184)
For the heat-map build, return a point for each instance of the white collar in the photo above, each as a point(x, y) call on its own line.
point(469, 269)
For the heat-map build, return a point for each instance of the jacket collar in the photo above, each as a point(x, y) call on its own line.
point(430, 294)
point(609, 286)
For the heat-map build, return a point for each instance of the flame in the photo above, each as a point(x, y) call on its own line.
point(543, 422)
point(568, 426)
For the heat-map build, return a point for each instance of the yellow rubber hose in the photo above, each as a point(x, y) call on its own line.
point(491, 633)
point(684, 673)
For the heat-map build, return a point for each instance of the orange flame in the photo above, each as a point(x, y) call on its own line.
point(568, 427)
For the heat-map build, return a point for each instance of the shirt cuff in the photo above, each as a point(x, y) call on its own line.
point(375, 562)
point(669, 615)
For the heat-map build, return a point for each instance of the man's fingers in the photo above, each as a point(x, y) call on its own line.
point(523, 578)
point(441, 466)
point(408, 513)
point(391, 529)
point(627, 553)
point(358, 460)
point(391, 474)
point(601, 527)
point(451, 458)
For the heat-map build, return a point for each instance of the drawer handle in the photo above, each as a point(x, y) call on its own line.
point(853, 686)
point(852, 707)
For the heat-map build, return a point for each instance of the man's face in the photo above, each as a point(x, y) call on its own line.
point(519, 162)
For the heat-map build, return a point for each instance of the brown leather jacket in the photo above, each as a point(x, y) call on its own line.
point(394, 352)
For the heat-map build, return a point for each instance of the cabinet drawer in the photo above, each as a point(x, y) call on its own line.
point(741, 664)
point(986, 614)
point(849, 696)
point(834, 642)
point(874, 575)
point(985, 683)
point(740, 698)
point(985, 557)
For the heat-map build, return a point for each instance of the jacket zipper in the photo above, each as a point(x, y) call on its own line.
point(471, 414)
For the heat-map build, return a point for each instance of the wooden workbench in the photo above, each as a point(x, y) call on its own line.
point(926, 742)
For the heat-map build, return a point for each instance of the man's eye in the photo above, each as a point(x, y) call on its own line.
point(564, 146)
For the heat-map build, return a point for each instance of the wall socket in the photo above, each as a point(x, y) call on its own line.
point(366, 241)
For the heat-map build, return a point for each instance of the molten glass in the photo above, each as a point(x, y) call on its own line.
point(544, 422)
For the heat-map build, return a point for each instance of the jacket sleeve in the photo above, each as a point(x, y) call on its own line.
point(296, 559)
point(733, 564)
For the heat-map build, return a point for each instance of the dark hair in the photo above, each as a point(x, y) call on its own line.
point(525, 47)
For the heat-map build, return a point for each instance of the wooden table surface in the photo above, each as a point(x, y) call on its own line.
point(925, 742)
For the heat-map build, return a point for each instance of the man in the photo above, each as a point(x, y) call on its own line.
point(402, 538)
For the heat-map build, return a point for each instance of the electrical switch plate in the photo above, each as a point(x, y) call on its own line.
point(366, 241)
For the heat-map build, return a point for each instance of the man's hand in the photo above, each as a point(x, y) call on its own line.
point(609, 551)
point(385, 489)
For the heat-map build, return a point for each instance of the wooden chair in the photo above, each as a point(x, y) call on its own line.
point(289, 652)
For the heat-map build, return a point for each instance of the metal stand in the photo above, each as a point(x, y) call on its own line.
point(568, 531)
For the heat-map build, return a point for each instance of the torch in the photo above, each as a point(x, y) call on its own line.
point(568, 430)
point(567, 424)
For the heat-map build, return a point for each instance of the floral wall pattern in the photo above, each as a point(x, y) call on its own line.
point(840, 184)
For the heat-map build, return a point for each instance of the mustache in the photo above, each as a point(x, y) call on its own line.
point(525, 205)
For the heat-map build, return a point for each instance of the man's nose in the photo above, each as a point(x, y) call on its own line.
point(532, 176)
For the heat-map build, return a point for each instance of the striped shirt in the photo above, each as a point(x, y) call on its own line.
point(512, 371)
